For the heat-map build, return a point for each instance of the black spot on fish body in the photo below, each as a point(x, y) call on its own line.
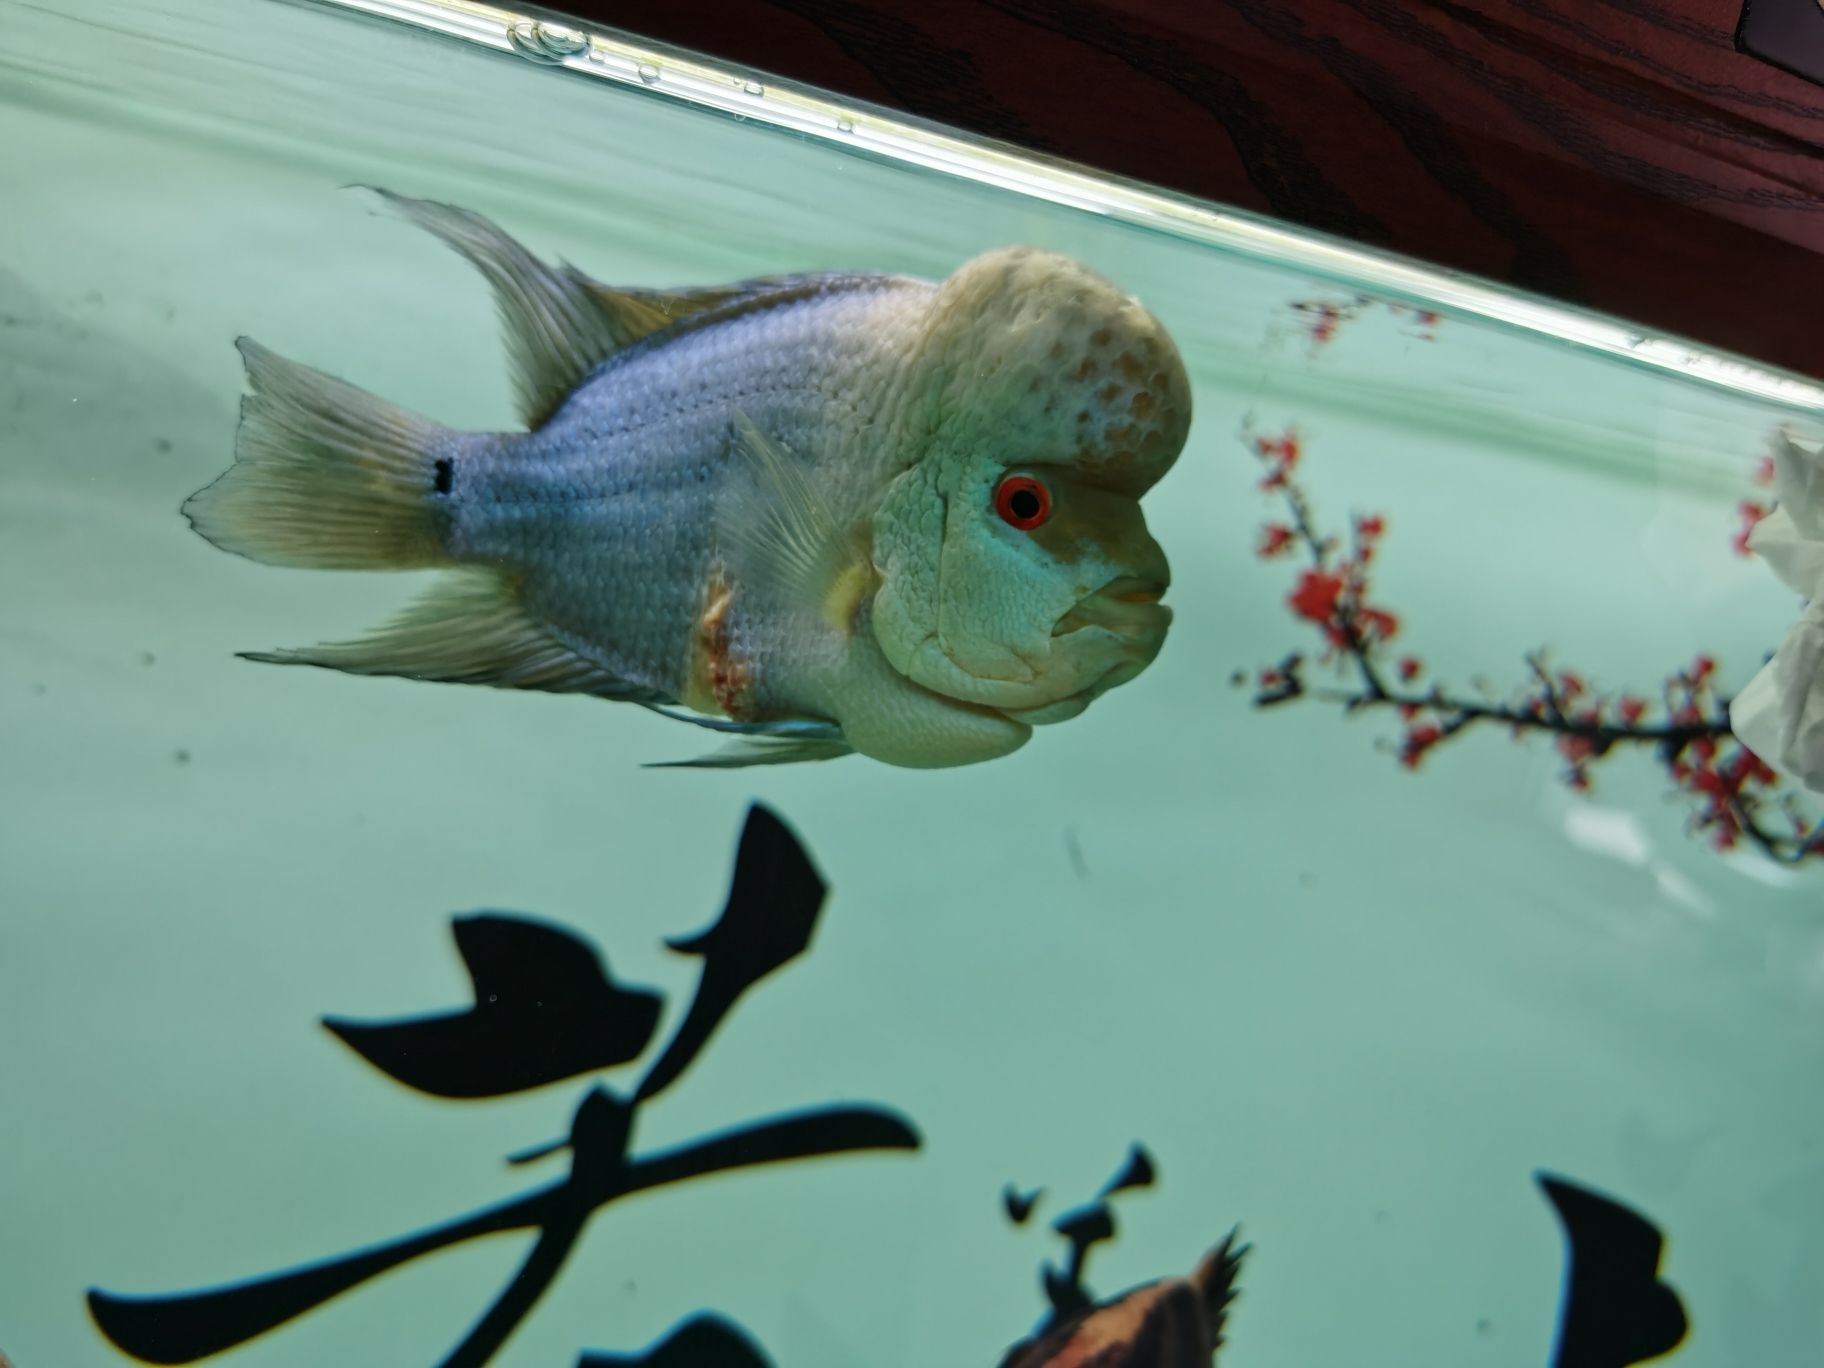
point(446, 474)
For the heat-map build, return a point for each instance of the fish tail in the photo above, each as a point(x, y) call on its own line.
point(327, 476)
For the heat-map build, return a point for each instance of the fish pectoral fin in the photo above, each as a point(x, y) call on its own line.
point(558, 326)
point(779, 535)
point(470, 628)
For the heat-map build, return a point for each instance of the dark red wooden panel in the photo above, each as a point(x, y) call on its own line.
point(1617, 153)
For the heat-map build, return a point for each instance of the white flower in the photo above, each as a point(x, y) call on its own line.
point(1780, 715)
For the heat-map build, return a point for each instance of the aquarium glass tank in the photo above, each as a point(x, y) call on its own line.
point(1414, 911)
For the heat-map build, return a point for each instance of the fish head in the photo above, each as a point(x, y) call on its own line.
point(1014, 563)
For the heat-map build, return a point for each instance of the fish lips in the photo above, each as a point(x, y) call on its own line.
point(1128, 606)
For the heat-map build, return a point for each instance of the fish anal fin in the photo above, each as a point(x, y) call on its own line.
point(467, 629)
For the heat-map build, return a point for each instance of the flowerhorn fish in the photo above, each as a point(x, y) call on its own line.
point(826, 513)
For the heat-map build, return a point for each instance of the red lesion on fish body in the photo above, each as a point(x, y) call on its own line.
point(719, 680)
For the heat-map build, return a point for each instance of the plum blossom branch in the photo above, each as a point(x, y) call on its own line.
point(1736, 797)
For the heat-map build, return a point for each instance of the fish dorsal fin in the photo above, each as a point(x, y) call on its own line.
point(469, 628)
point(559, 325)
point(657, 310)
point(779, 534)
point(660, 309)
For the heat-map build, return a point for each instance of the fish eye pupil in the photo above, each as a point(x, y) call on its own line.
point(1022, 502)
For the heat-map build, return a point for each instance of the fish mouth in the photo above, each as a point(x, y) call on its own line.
point(1127, 606)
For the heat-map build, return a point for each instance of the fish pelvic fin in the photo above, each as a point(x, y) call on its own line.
point(469, 628)
point(558, 325)
point(325, 475)
point(783, 742)
point(760, 750)
point(779, 534)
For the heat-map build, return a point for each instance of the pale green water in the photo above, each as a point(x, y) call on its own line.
point(1352, 1008)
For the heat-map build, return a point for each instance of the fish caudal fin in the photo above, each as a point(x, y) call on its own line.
point(325, 476)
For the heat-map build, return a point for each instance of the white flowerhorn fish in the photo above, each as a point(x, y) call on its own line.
point(828, 513)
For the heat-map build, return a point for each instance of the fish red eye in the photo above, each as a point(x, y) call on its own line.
point(1022, 502)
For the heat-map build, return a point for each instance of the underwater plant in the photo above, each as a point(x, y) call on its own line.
point(1684, 723)
point(546, 1009)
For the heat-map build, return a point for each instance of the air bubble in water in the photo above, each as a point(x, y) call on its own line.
point(753, 88)
point(649, 73)
point(845, 125)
